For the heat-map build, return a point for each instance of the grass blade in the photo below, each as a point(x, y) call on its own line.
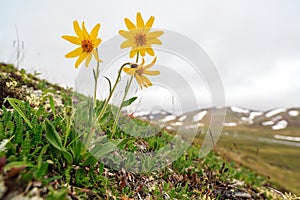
point(13, 102)
point(52, 105)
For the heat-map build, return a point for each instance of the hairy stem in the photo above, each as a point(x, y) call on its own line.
point(121, 106)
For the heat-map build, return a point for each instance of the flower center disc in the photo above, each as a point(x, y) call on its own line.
point(139, 71)
point(140, 39)
point(87, 46)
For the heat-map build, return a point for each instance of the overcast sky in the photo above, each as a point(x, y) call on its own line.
point(254, 44)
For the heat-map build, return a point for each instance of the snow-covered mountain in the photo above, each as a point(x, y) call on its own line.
point(275, 119)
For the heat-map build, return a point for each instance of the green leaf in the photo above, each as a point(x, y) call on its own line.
point(103, 118)
point(68, 157)
point(55, 140)
point(99, 106)
point(125, 141)
point(76, 148)
point(128, 102)
point(17, 164)
point(13, 102)
point(52, 105)
point(101, 168)
point(10, 126)
point(102, 149)
point(57, 195)
point(42, 170)
point(52, 136)
point(91, 160)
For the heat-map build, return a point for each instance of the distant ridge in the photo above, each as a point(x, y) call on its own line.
point(274, 119)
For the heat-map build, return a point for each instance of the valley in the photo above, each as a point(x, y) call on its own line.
point(267, 142)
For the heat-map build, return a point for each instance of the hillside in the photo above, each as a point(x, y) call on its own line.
point(42, 157)
point(267, 142)
point(275, 119)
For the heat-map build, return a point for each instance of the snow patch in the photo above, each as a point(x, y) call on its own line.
point(182, 118)
point(278, 117)
point(163, 112)
point(230, 124)
point(143, 117)
point(293, 113)
point(199, 116)
point(268, 123)
point(275, 111)
point(168, 118)
point(290, 138)
point(280, 125)
point(254, 114)
point(201, 124)
point(239, 110)
point(141, 113)
point(176, 124)
point(246, 119)
point(156, 112)
point(192, 126)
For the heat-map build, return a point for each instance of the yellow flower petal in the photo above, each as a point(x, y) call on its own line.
point(126, 44)
point(77, 29)
point(154, 34)
point(149, 23)
point(138, 79)
point(142, 51)
point(150, 51)
point(151, 64)
point(97, 42)
point(132, 53)
point(146, 80)
point(139, 20)
point(85, 33)
point(74, 53)
point(81, 58)
point(94, 32)
point(126, 34)
point(139, 38)
point(72, 39)
point(88, 44)
point(152, 73)
point(143, 62)
point(129, 71)
point(96, 56)
point(88, 60)
point(129, 24)
point(154, 41)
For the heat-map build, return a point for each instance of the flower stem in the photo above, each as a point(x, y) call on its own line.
point(69, 116)
point(69, 122)
point(111, 92)
point(120, 108)
point(96, 77)
point(137, 57)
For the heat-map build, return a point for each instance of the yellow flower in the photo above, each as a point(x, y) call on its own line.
point(88, 44)
point(138, 37)
point(138, 72)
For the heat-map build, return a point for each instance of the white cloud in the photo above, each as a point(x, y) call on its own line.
point(254, 44)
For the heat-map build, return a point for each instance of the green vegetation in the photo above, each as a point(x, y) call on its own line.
point(254, 148)
point(278, 161)
point(42, 153)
